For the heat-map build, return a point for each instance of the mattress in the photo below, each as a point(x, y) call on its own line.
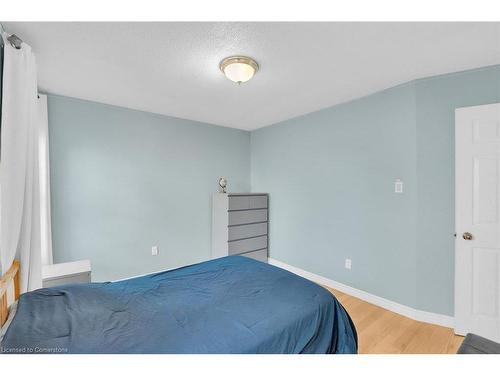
point(228, 305)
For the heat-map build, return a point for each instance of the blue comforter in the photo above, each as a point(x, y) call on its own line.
point(227, 305)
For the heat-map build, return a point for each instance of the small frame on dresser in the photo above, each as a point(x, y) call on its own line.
point(9, 280)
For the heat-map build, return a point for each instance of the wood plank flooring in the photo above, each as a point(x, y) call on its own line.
point(381, 331)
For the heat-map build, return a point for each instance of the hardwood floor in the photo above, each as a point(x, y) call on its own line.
point(381, 331)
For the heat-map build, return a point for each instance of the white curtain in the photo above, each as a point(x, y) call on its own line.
point(24, 195)
point(44, 176)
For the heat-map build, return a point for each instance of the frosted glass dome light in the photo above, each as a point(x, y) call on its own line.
point(239, 68)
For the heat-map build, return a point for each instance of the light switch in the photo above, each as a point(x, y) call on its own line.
point(398, 186)
point(154, 250)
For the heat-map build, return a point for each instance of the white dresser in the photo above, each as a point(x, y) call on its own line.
point(240, 225)
point(66, 273)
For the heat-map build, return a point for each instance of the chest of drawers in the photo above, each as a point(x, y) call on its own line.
point(240, 225)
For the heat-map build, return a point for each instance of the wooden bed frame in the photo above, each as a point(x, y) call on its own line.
point(9, 280)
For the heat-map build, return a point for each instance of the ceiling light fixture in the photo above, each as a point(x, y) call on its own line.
point(239, 68)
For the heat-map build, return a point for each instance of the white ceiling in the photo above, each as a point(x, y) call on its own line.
point(172, 68)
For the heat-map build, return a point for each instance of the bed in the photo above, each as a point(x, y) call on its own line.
point(227, 305)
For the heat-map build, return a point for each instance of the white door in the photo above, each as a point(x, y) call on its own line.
point(477, 206)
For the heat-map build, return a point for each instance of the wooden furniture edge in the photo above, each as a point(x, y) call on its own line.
point(10, 277)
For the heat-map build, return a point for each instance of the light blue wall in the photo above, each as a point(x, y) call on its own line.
point(330, 176)
point(125, 180)
point(437, 98)
point(331, 173)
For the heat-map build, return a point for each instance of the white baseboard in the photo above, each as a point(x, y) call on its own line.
point(410, 312)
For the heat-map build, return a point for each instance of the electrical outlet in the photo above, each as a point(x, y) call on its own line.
point(348, 264)
point(154, 250)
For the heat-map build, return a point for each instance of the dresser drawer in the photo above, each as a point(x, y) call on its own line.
point(260, 255)
point(247, 202)
point(247, 217)
point(246, 231)
point(250, 244)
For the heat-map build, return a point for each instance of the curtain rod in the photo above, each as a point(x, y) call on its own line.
point(13, 39)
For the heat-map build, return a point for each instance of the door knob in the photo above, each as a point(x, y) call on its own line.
point(467, 236)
